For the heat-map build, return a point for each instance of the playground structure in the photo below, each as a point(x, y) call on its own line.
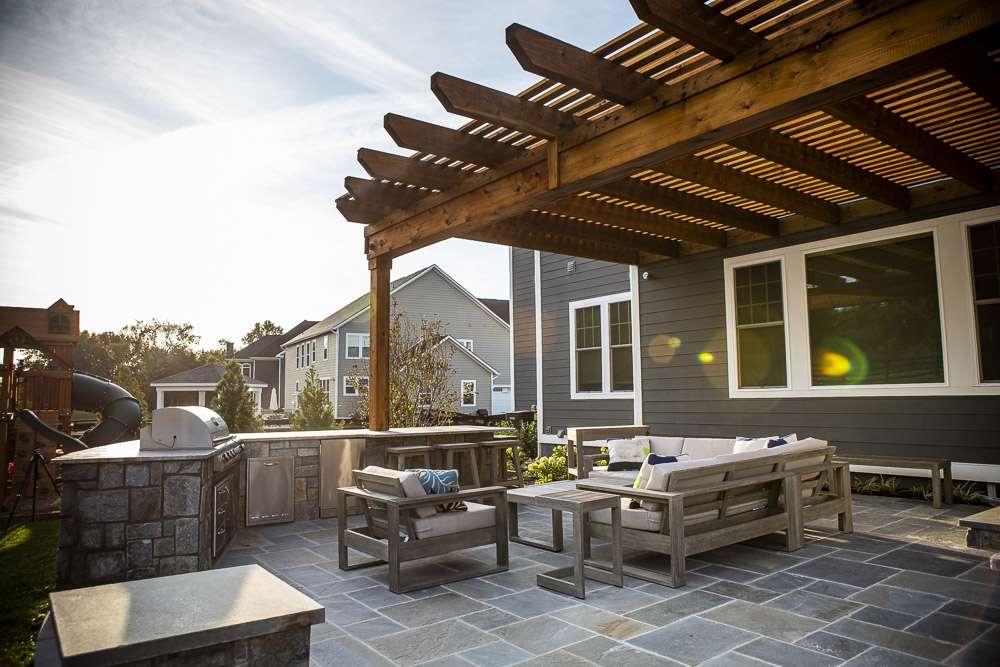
point(36, 405)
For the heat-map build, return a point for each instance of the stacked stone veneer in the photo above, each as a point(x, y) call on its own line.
point(306, 454)
point(134, 520)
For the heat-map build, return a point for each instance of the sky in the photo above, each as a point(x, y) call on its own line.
point(180, 160)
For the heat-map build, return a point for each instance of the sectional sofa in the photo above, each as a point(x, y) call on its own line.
point(712, 497)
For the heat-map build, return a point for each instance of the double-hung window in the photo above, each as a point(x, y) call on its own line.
point(468, 393)
point(601, 359)
point(888, 312)
point(326, 345)
point(984, 251)
point(466, 343)
point(358, 346)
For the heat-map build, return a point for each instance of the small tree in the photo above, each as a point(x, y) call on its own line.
point(420, 373)
point(315, 412)
point(234, 402)
point(261, 329)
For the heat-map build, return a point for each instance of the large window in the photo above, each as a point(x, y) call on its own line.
point(601, 341)
point(911, 310)
point(468, 393)
point(760, 325)
point(358, 346)
point(984, 251)
point(874, 316)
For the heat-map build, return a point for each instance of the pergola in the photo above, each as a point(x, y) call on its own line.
point(708, 125)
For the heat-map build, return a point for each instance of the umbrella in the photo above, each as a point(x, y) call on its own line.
point(274, 399)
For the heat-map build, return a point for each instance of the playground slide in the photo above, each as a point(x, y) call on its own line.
point(121, 413)
point(64, 441)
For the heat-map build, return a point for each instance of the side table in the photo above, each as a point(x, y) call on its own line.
point(563, 498)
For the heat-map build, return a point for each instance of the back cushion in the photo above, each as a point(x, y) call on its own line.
point(665, 446)
point(706, 448)
point(804, 445)
point(749, 444)
point(626, 450)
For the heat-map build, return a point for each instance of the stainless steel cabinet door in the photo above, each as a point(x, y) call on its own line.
point(270, 490)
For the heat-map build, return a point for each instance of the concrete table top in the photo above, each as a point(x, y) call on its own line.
point(136, 620)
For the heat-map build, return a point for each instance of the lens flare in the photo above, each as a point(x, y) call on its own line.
point(706, 357)
point(662, 348)
point(834, 364)
point(840, 361)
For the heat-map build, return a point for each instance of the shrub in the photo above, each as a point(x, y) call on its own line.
point(549, 468)
point(315, 412)
point(234, 402)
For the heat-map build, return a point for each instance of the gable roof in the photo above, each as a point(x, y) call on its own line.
point(207, 374)
point(475, 357)
point(270, 345)
point(500, 307)
point(363, 302)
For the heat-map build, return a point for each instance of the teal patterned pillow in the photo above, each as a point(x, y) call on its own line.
point(439, 481)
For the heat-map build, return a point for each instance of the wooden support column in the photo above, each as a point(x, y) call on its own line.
point(378, 383)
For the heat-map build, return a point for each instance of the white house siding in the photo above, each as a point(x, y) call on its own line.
point(325, 369)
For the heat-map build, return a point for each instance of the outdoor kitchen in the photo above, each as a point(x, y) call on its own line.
point(172, 501)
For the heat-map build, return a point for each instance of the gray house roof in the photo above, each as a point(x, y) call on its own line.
point(270, 346)
point(207, 374)
point(364, 301)
point(501, 307)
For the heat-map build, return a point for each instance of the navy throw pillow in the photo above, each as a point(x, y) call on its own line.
point(625, 465)
point(655, 459)
point(776, 442)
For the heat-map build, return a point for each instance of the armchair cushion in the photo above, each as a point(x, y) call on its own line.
point(410, 483)
point(447, 523)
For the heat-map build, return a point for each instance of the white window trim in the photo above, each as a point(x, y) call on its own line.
point(467, 343)
point(974, 324)
point(603, 302)
point(347, 384)
point(955, 298)
point(461, 394)
point(360, 345)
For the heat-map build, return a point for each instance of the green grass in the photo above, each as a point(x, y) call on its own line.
point(27, 574)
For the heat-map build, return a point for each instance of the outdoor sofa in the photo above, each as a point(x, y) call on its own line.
point(714, 497)
point(403, 523)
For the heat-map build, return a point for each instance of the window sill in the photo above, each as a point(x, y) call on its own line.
point(602, 395)
point(861, 391)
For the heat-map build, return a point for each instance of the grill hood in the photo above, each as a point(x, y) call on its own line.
point(186, 427)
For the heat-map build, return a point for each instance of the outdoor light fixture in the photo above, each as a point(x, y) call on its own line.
point(646, 275)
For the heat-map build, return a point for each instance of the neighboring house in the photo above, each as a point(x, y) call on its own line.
point(340, 342)
point(264, 360)
point(196, 386)
point(881, 339)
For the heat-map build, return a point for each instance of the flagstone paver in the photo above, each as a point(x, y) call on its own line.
point(902, 590)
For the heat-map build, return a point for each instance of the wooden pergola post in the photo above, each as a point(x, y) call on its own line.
point(378, 383)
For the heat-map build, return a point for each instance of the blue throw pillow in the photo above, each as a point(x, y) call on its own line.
point(440, 481)
point(655, 459)
point(776, 442)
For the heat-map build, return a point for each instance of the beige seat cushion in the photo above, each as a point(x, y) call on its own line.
point(411, 487)
point(648, 520)
point(616, 477)
point(447, 523)
point(706, 448)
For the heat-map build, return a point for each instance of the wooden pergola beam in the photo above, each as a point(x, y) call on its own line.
point(555, 59)
point(727, 179)
point(354, 210)
point(396, 168)
point(537, 237)
point(979, 72)
point(628, 218)
point(427, 137)
point(473, 100)
point(383, 194)
point(533, 226)
point(681, 202)
point(797, 155)
point(864, 114)
point(699, 25)
point(863, 48)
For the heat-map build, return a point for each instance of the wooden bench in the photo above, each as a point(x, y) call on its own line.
point(938, 468)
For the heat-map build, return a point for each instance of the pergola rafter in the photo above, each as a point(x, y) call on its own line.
point(608, 155)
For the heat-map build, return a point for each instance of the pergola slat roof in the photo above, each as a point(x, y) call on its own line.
point(708, 125)
point(881, 114)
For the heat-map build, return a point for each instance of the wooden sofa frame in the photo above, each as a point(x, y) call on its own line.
point(386, 510)
point(785, 508)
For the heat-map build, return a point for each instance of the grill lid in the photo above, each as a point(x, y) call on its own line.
point(184, 427)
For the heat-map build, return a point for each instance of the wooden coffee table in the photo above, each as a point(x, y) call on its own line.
point(565, 497)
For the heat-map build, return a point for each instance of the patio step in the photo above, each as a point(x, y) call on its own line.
point(984, 529)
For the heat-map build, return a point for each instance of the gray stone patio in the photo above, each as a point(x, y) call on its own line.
point(902, 590)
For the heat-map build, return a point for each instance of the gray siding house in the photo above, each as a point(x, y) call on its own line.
point(263, 359)
point(339, 343)
point(881, 338)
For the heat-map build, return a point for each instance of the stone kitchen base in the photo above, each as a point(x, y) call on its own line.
point(231, 617)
